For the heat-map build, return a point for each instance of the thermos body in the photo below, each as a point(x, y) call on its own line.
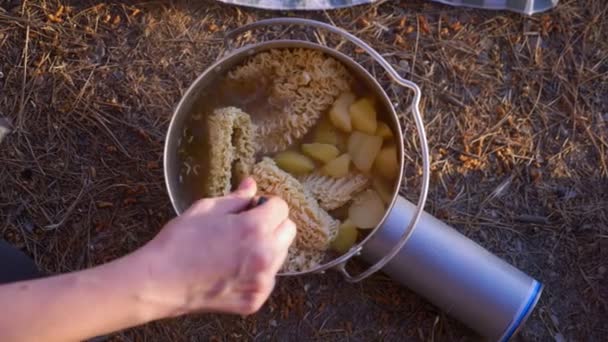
point(456, 274)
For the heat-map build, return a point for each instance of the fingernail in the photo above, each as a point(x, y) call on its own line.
point(247, 183)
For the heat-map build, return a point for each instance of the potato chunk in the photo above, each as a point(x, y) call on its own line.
point(326, 133)
point(386, 164)
point(346, 238)
point(338, 167)
point(339, 113)
point(384, 191)
point(363, 116)
point(367, 210)
point(383, 131)
point(320, 152)
point(294, 162)
point(363, 149)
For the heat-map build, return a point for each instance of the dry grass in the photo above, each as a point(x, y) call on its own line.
point(516, 111)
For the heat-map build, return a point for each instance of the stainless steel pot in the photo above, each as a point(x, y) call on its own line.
point(411, 246)
point(238, 56)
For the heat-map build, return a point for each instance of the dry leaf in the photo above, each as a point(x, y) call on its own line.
point(457, 26)
point(424, 24)
point(104, 204)
point(402, 22)
point(399, 41)
point(213, 27)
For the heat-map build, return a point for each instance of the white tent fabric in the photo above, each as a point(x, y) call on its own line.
point(528, 7)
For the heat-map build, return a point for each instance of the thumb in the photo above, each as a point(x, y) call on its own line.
point(239, 199)
point(248, 187)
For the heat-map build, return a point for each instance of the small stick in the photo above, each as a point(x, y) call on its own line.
point(532, 219)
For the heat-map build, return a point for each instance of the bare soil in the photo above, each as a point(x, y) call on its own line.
point(516, 110)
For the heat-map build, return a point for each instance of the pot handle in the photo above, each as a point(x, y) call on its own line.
point(340, 263)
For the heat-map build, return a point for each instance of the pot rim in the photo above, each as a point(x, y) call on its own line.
point(249, 50)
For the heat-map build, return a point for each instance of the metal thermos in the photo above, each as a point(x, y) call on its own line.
point(456, 274)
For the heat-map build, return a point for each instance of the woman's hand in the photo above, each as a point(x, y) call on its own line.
point(218, 255)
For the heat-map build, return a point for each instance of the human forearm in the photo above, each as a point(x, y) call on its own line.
point(77, 305)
